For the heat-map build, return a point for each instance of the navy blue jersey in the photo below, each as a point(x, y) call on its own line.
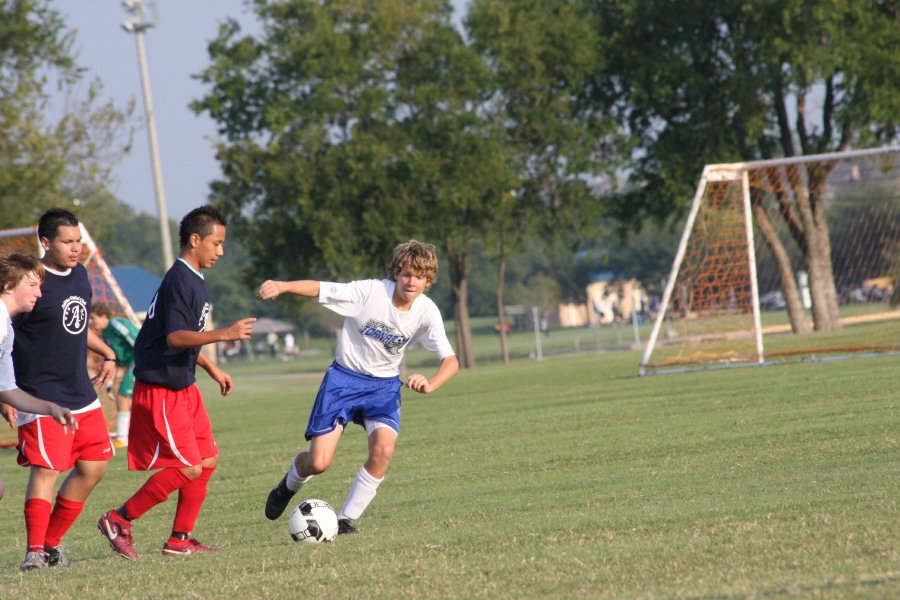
point(181, 304)
point(50, 351)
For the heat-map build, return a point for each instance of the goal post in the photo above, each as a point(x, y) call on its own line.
point(778, 246)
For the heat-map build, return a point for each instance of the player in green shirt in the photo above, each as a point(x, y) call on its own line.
point(119, 334)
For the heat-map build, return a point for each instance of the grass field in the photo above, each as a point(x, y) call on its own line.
point(568, 478)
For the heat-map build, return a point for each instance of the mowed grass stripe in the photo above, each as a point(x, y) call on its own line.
point(566, 478)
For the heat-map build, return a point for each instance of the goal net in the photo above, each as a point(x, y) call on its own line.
point(103, 284)
point(784, 259)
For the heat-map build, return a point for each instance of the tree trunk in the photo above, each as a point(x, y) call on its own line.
point(818, 283)
point(459, 285)
point(792, 298)
point(817, 253)
point(501, 318)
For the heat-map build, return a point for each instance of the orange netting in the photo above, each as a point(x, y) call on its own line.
point(854, 200)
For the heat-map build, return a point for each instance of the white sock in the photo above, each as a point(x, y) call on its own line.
point(361, 494)
point(123, 420)
point(294, 481)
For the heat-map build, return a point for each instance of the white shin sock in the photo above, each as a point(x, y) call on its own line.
point(123, 420)
point(294, 480)
point(361, 494)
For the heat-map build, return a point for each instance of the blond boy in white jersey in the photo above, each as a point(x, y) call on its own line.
point(381, 319)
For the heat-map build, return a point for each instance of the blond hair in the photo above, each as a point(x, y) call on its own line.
point(418, 257)
point(15, 267)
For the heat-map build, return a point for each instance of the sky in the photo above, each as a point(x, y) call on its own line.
point(176, 50)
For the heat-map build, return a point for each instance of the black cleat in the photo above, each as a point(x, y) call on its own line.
point(57, 556)
point(345, 526)
point(278, 499)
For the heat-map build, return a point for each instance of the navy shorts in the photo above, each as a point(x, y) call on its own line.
point(347, 396)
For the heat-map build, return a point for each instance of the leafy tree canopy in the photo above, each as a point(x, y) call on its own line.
point(44, 162)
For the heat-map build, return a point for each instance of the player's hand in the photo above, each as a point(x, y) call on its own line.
point(418, 383)
point(268, 290)
point(64, 417)
point(107, 373)
point(226, 385)
point(9, 414)
point(240, 330)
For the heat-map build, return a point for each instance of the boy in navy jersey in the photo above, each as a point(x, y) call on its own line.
point(170, 429)
point(50, 361)
point(20, 287)
point(382, 318)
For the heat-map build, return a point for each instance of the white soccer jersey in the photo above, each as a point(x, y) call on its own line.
point(7, 374)
point(376, 334)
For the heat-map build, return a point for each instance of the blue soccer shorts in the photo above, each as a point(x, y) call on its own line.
point(346, 396)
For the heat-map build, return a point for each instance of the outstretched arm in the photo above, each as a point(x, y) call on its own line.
point(22, 400)
point(239, 330)
point(419, 383)
point(269, 289)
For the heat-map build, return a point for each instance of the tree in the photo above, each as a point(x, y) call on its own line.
point(346, 129)
point(63, 163)
point(349, 126)
point(698, 82)
point(542, 55)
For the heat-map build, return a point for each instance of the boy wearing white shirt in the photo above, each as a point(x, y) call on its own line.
point(20, 288)
point(381, 319)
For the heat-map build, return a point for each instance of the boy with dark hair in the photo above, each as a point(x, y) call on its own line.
point(50, 360)
point(20, 287)
point(381, 319)
point(120, 334)
point(170, 429)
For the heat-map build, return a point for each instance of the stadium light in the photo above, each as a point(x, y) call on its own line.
point(138, 24)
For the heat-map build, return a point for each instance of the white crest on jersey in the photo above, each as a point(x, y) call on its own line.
point(151, 310)
point(206, 308)
point(74, 314)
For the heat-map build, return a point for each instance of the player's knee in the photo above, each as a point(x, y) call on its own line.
point(192, 472)
point(318, 465)
point(381, 453)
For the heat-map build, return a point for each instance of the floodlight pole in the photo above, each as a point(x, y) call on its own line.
point(137, 25)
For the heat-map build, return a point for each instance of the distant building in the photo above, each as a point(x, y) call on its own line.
point(611, 300)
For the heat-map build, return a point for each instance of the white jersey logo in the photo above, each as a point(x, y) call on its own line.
point(74, 314)
point(151, 310)
point(390, 338)
point(202, 324)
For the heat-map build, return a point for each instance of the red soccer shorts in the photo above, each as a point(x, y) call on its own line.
point(168, 428)
point(44, 443)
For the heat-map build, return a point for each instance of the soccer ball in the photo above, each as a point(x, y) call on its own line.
point(313, 521)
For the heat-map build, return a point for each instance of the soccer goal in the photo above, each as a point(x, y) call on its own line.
point(103, 284)
point(784, 259)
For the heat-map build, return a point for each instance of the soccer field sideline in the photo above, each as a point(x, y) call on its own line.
point(567, 478)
